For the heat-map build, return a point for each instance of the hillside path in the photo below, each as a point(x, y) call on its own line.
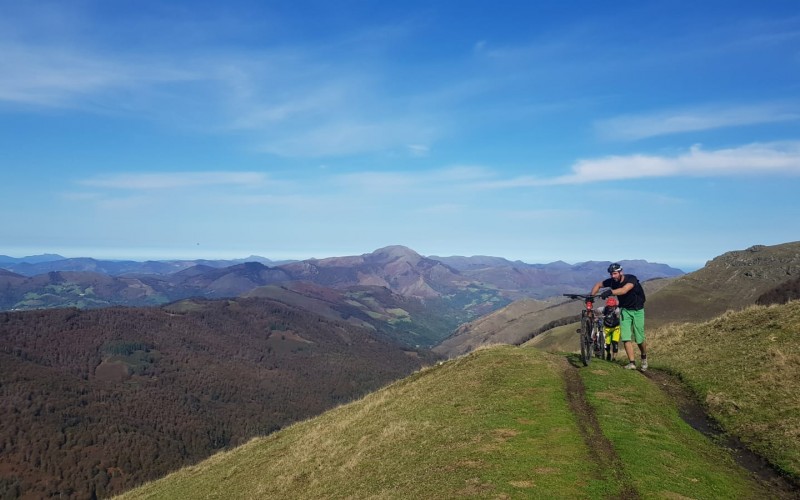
point(692, 412)
point(599, 446)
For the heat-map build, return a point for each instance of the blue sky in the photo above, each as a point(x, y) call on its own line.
point(539, 131)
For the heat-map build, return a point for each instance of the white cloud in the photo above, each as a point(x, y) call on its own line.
point(775, 158)
point(634, 127)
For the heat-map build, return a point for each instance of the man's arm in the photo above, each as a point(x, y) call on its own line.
point(617, 291)
point(623, 289)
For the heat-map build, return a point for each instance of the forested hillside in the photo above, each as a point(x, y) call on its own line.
point(95, 401)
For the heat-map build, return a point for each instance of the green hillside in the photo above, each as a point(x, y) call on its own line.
point(517, 422)
point(746, 366)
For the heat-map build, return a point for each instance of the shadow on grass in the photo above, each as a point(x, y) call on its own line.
point(575, 360)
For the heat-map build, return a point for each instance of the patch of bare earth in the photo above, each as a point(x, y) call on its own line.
point(692, 412)
point(599, 446)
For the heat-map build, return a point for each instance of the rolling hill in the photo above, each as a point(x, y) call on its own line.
point(516, 422)
point(731, 281)
point(408, 320)
point(85, 290)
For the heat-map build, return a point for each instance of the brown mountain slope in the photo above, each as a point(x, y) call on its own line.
point(76, 289)
point(504, 326)
point(96, 401)
point(541, 281)
point(731, 281)
point(398, 268)
point(409, 320)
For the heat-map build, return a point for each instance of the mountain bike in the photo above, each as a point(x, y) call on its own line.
point(592, 338)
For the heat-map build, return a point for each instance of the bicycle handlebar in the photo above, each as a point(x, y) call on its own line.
point(576, 296)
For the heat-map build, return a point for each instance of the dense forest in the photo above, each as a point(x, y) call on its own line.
point(94, 402)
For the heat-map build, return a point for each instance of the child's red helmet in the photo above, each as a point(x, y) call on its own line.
point(612, 301)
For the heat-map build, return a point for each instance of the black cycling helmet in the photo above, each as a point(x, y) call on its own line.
point(614, 268)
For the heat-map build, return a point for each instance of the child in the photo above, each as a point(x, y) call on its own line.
point(611, 327)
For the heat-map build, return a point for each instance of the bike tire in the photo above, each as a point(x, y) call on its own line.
point(586, 341)
point(601, 344)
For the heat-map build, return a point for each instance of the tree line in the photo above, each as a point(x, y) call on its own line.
point(94, 402)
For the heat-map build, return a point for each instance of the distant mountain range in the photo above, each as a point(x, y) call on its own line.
point(415, 299)
point(52, 281)
point(46, 263)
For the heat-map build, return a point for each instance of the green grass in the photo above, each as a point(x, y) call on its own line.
point(492, 424)
point(745, 366)
point(662, 455)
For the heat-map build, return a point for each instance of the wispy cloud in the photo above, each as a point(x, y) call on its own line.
point(442, 209)
point(63, 77)
point(776, 158)
point(340, 135)
point(444, 178)
point(634, 127)
point(175, 180)
point(545, 214)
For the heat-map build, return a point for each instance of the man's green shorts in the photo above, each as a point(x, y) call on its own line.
point(631, 322)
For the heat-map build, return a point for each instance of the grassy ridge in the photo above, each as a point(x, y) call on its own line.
point(662, 455)
point(746, 367)
point(492, 424)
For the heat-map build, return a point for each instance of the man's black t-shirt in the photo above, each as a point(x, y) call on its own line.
point(634, 299)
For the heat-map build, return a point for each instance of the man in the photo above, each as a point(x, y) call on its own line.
point(631, 303)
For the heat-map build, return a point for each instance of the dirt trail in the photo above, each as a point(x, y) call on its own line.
point(692, 412)
point(599, 446)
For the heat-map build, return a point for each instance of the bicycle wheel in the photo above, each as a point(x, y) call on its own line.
point(586, 341)
point(600, 343)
